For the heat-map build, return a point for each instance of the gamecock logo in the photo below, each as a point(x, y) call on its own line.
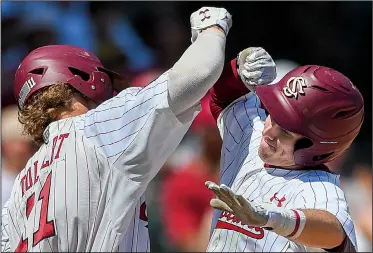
point(294, 86)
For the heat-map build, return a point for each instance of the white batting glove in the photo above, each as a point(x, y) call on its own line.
point(255, 67)
point(209, 16)
point(251, 213)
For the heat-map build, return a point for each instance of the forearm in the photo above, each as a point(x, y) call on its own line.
point(197, 70)
point(310, 227)
point(322, 230)
point(227, 89)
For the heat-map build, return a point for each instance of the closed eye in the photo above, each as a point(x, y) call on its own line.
point(283, 130)
point(286, 132)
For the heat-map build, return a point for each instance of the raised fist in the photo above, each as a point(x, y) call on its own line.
point(207, 17)
point(255, 67)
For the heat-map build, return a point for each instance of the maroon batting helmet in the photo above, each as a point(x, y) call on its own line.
point(76, 66)
point(319, 103)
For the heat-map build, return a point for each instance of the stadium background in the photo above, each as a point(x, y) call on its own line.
point(143, 39)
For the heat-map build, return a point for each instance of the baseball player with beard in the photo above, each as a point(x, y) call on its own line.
point(83, 190)
point(275, 192)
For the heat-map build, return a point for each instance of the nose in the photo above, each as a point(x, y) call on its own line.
point(269, 132)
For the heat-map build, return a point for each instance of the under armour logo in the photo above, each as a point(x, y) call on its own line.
point(294, 86)
point(204, 15)
point(279, 201)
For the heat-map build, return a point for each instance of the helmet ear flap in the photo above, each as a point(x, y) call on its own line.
point(300, 150)
point(321, 157)
point(303, 143)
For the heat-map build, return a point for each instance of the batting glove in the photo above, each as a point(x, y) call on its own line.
point(249, 212)
point(209, 16)
point(255, 67)
point(284, 222)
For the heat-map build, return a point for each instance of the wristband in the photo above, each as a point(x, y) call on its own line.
point(286, 222)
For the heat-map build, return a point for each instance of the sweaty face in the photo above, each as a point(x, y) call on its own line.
point(277, 145)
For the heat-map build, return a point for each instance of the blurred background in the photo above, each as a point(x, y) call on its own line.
point(143, 39)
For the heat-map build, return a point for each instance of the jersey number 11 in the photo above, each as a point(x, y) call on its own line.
point(46, 228)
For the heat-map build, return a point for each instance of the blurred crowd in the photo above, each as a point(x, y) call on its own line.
point(141, 41)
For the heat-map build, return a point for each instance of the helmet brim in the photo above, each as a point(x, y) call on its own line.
point(278, 107)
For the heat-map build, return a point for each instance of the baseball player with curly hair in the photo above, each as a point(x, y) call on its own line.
point(83, 190)
point(276, 194)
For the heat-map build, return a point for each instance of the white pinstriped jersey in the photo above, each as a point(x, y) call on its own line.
point(84, 189)
point(241, 125)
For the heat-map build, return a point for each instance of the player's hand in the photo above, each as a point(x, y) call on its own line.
point(255, 67)
point(207, 17)
point(249, 212)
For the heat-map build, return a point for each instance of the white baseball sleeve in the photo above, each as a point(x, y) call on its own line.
point(197, 70)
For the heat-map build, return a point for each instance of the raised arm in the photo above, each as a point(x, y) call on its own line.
point(202, 63)
point(228, 88)
point(253, 66)
point(139, 128)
